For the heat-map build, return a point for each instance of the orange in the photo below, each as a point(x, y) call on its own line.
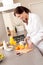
point(19, 47)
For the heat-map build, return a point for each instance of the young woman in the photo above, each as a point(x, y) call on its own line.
point(32, 24)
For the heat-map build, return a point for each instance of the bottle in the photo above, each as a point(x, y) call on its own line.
point(15, 29)
point(8, 31)
point(4, 45)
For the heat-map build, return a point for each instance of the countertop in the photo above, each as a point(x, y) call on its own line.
point(32, 58)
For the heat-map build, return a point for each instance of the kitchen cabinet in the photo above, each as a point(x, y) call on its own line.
point(8, 5)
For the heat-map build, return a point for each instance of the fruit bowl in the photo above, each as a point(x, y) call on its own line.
point(1, 57)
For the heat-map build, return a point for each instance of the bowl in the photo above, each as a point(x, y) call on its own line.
point(1, 57)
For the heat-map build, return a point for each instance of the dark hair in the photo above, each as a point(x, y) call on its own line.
point(20, 10)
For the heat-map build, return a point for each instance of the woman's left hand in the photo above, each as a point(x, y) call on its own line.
point(30, 43)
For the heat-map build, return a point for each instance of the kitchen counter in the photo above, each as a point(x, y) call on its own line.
point(32, 58)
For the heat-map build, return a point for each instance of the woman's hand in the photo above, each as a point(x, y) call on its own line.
point(28, 41)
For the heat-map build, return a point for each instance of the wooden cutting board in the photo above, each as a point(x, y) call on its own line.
point(24, 50)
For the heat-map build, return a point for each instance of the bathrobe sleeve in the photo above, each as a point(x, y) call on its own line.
point(38, 36)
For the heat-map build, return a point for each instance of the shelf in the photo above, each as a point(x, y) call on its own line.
point(6, 8)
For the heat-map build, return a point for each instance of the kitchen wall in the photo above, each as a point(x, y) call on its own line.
point(37, 7)
point(23, 2)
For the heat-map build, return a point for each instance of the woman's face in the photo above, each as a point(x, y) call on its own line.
point(23, 16)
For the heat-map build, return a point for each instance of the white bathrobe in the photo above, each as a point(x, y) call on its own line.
point(35, 30)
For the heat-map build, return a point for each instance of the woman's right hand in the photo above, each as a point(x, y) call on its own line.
point(28, 41)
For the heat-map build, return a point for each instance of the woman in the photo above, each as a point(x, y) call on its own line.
point(32, 24)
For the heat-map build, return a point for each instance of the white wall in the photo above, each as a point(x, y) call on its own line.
point(37, 7)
